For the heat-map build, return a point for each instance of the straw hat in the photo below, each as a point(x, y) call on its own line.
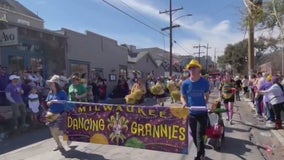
point(60, 80)
point(193, 63)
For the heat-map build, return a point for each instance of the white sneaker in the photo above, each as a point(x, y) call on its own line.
point(270, 125)
point(269, 122)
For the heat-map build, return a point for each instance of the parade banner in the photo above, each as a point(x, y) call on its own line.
point(145, 127)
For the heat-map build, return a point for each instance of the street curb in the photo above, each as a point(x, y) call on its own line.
point(278, 136)
point(275, 132)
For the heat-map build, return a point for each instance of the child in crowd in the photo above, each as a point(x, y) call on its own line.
point(33, 101)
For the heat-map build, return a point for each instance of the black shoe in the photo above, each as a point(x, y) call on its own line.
point(200, 158)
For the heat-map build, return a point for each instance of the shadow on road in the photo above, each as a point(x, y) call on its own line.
point(236, 147)
point(75, 154)
point(23, 139)
point(254, 126)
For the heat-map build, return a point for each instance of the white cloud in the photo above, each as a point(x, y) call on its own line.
point(218, 35)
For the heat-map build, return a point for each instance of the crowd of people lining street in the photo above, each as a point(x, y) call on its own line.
point(27, 91)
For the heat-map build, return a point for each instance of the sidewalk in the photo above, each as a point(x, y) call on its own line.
point(279, 134)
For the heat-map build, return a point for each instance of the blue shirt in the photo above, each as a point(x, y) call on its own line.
point(57, 108)
point(194, 93)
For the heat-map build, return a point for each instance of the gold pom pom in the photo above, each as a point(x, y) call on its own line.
point(171, 87)
point(175, 95)
point(138, 94)
point(130, 99)
point(156, 89)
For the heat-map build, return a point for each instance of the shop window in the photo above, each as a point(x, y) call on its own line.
point(15, 63)
point(97, 73)
point(79, 67)
point(123, 73)
point(36, 64)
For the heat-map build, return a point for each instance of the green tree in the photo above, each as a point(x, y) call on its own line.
point(273, 13)
point(236, 54)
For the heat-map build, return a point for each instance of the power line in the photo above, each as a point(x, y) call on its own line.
point(139, 21)
point(134, 18)
point(183, 48)
point(146, 18)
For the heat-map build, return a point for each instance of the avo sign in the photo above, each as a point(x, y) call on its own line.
point(8, 37)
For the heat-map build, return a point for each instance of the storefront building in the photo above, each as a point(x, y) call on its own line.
point(96, 56)
point(26, 45)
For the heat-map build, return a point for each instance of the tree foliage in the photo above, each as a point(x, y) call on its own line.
point(236, 55)
point(273, 13)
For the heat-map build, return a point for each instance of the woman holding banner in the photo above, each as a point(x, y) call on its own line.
point(195, 95)
point(55, 99)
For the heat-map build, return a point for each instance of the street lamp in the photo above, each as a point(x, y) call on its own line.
point(186, 15)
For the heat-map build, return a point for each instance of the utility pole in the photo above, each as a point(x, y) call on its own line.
point(199, 46)
point(171, 12)
point(215, 61)
point(250, 39)
point(206, 68)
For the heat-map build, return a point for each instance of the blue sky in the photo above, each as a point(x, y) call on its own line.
point(216, 22)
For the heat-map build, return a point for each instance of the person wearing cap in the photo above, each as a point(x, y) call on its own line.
point(276, 99)
point(268, 111)
point(54, 101)
point(14, 93)
point(195, 95)
point(77, 91)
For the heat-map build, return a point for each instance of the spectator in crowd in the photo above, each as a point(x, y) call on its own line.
point(77, 91)
point(102, 89)
point(95, 90)
point(252, 87)
point(245, 85)
point(40, 81)
point(33, 102)
point(238, 85)
point(27, 86)
point(14, 93)
point(259, 97)
point(4, 79)
point(276, 98)
point(33, 77)
point(268, 113)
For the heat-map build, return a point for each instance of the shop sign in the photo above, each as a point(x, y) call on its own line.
point(9, 37)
